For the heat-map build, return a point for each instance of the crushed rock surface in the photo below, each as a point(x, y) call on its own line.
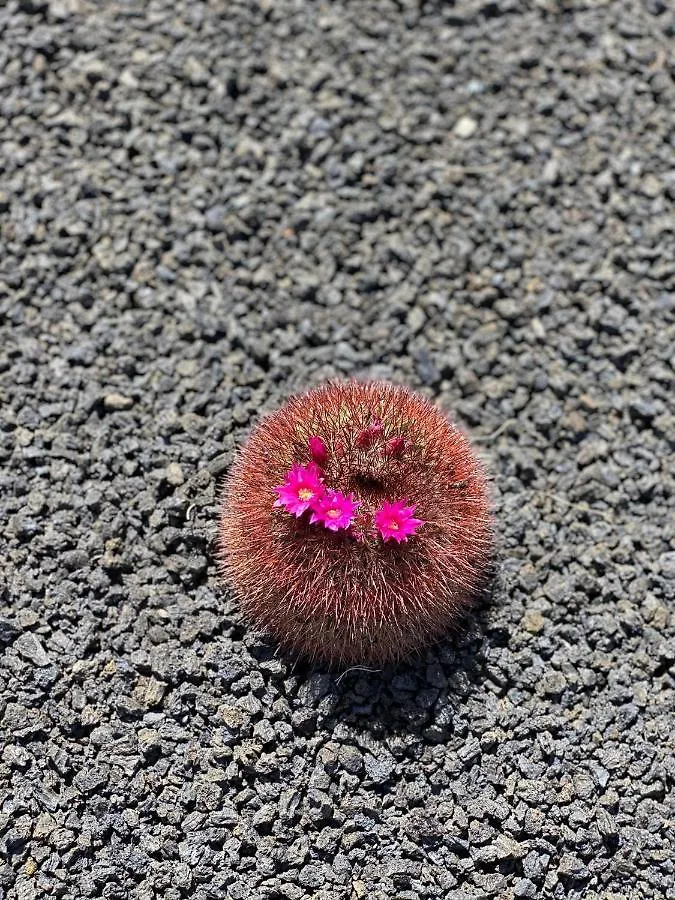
point(205, 206)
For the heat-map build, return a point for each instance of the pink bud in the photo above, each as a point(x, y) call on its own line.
point(395, 447)
point(318, 450)
point(367, 436)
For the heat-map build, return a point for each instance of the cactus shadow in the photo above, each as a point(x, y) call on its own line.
point(421, 697)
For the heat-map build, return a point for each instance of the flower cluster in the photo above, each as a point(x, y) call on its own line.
point(304, 490)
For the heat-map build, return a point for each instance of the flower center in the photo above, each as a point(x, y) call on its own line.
point(333, 513)
point(393, 525)
point(305, 494)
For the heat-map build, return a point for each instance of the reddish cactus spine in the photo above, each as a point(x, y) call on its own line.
point(355, 524)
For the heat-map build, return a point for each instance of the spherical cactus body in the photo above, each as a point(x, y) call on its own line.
point(355, 525)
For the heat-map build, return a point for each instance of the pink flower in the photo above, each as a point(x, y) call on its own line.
point(334, 510)
point(395, 521)
point(318, 450)
point(301, 489)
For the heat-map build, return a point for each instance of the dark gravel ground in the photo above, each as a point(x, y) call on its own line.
point(208, 205)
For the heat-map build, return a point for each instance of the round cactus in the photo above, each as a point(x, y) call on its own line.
point(355, 525)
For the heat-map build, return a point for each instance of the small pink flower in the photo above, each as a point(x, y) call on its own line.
point(318, 450)
point(395, 447)
point(395, 521)
point(334, 510)
point(301, 489)
point(367, 436)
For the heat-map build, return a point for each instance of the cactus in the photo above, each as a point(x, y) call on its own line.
point(355, 525)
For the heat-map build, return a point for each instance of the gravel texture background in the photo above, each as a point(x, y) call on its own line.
point(208, 205)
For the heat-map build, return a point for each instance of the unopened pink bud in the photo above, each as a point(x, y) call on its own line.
point(318, 450)
point(395, 447)
point(367, 436)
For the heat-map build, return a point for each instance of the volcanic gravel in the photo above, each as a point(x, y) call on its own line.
point(206, 206)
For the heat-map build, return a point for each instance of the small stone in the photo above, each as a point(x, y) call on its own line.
point(117, 402)
point(289, 803)
point(523, 887)
point(571, 866)
point(44, 826)
point(615, 758)
point(265, 816)
point(195, 72)
point(316, 688)
point(538, 329)
point(247, 754)
point(489, 741)
point(667, 564)
point(470, 751)
point(15, 755)
point(75, 559)
point(553, 683)
point(149, 692)
point(303, 720)
point(28, 618)
point(426, 368)
point(32, 6)
point(148, 740)
point(465, 127)
point(606, 823)
point(535, 864)
point(379, 769)
point(233, 716)
point(533, 621)
point(506, 848)
point(551, 172)
point(174, 475)
point(187, 368)
point(600, 775)
point(90, 780)
point(351, 759)
point(181, 876)
point(215, 219)
point(29, 646)
point(591, 450)
point(109, 668)
point(650, 186)
point(584, 786)
point(319, 806)
point(415, 319)
point(590, 404)
point(264, 731)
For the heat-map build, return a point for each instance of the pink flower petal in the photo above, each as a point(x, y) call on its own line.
point(395, 521)
point(334, 510)
point(302, 488)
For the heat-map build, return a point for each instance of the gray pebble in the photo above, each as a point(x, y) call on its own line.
point(30, 647)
